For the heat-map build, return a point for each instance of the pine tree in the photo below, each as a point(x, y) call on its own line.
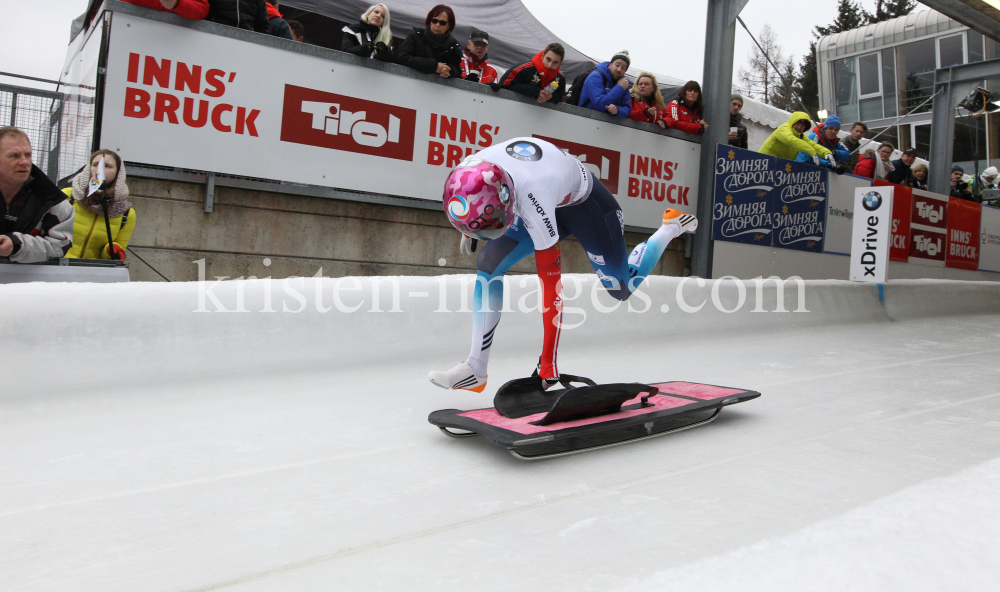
point(807, 81)
point(889, 9)
point(850, 15)
point(784, 94)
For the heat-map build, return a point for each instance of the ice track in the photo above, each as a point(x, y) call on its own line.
point(145, 446)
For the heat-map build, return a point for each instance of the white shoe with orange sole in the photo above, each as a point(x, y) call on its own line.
point(686, 222)
point(460, 377)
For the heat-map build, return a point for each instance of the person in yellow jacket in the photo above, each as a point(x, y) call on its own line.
point(789, 139)
point(90, 234)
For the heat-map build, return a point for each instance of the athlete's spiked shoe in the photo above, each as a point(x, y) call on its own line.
point(686, 222)
point(460, 377)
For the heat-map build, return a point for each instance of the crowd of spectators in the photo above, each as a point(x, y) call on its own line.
point(434, 50)
point(91, 220)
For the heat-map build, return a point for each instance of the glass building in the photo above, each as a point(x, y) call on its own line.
point(879, 72)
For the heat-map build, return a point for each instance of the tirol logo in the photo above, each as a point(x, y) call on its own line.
point(929, 210)
point(524, 151)
point(604, 164)
point(339, 122)
point(872, 201)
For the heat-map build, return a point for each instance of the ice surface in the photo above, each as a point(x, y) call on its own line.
point(145, 446)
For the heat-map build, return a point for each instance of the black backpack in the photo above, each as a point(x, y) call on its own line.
point(573, 96)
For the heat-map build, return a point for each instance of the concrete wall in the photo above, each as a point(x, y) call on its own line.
point(301, 234)
point(750, 261)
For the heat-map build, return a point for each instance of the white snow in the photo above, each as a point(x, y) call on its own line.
point(145, 446)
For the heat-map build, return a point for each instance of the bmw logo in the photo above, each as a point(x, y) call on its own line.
point(872, 201)
point(504, 194)
point(524, 151)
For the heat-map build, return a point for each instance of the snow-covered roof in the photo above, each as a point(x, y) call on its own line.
point(911, 26)
point(763, 113)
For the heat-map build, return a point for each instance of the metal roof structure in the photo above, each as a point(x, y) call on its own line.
point(890, 32)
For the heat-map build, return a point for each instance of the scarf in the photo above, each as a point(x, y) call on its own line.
point(882, 167)
point(544, 73)
point(272, 11)
point(119, 202)
point(438, 43)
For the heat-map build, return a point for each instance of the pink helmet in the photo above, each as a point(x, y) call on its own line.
point(479, 199)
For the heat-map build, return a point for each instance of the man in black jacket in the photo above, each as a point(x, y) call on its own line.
point(902, 174)
point(737, 138)
point(36, 220)
point(540, 78)
point(244, 14)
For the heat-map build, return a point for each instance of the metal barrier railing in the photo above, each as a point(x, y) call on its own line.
point(37, 113)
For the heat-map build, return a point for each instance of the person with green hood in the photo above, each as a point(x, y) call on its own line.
point(789, 139)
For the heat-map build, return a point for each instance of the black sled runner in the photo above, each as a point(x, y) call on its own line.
point(534, 424)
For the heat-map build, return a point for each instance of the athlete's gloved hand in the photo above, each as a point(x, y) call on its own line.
point(468, 245)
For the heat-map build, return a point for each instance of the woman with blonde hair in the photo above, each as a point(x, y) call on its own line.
point(90, 233)
point(647, 101)
point(371, 37)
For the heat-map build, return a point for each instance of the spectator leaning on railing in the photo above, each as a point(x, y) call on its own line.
point(277, 26)
point(90, 233)
point(684, 112)
point(540, 78)
point(986, 180)
point(826, 135)
point(242, 14)
point(191, 9)
point(875, 164)
point(606, 88)
point(647, 101)
point(475, 68)
point(789, 139)
point(370, 37)
point(959, 188)
point(36, 221)
point(737, 129)
point(901, 174)
point(433, 49)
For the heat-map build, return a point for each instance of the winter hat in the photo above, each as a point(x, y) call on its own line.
point(622, 55)
point(991, 172)
point(958, 169)
point(737, 96)
point(479, 36)
point(832, 121)
point(118, 206)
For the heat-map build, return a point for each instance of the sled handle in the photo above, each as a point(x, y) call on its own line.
point(652, 390)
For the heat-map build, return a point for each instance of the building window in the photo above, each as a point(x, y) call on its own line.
point(975, 45)
point(889, 100)
point(915, 65)
point(951, 51)
point(845, 84)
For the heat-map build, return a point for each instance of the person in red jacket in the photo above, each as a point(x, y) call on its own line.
point(875, 163)
point(684, 112)
point(647, 101)
point(192, 9)
point(475, 68)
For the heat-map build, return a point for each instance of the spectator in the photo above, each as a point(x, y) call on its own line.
point(789, 139)
point(90, 234)
point(540, 78)
point(920, 173)
point(606, 88)
point(980, 183)
point(647, 101)
point(433, 49)
point(737, 136)
point(959, 187)
point(901, 174)
point(684, 112)
point(371, 36)
point(827, 135)
point(277, 25)
point(298, 31)
point(36, 221)
point(243, 14)
point(475, 68)
point(875, 163)
point(853, 142)
point(191, 9)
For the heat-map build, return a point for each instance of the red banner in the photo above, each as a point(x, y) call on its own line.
point(963, 234)
point(902, 198)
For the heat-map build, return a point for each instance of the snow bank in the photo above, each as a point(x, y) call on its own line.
point(941, 534)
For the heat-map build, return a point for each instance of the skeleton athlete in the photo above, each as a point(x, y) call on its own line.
point(523, 196)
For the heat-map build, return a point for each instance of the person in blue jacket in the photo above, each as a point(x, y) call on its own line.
point(826, 135)
point(607, 89)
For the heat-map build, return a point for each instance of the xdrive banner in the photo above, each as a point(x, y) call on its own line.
point(764, 200)
point(871, 237)
point(184, 98)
